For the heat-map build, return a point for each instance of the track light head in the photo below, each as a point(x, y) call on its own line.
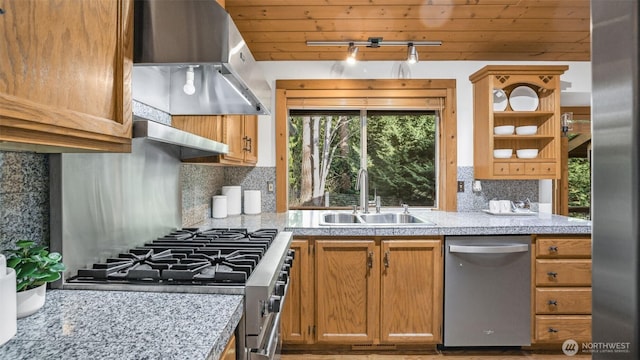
point(352, 52)
point(412, 54)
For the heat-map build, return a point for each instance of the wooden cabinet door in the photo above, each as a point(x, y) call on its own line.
point(232, 134)
point(250, 138)
point(207, 126)
point(297, 315)
point(229, 352)
point(411, 293)
point(346, 287)
point(66, 75)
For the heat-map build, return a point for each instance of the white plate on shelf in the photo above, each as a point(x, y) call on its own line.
point(523, 98)
point(500, 100)
point(512, 213)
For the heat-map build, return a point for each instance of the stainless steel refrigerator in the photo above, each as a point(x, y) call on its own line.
point(616, 178)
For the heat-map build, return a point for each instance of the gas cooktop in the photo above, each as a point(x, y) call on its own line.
point(211, 257)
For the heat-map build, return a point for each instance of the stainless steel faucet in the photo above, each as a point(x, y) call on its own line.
point(362, 184)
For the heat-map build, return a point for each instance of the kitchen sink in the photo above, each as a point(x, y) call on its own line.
point(391, 218)
point(336, 218)
point(340, 218)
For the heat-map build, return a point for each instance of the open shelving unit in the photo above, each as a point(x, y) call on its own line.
point(545, 81)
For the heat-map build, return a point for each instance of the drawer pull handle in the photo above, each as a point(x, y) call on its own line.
point(552, 274)
point(553, 303)
point(553, 249)
point(552, 330)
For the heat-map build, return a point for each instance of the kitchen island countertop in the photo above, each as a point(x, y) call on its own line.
point(81, 324)
point(307, 223)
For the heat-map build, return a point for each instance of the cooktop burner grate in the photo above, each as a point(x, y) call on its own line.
point(187, 256)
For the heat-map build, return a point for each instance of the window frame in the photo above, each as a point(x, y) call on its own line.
point(439, 94)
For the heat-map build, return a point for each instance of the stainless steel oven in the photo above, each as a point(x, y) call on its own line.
point(223, 261)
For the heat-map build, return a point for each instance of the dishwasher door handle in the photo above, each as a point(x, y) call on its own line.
point(489, 249)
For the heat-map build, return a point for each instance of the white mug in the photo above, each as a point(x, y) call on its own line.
point(505, 206)
point(494, 206)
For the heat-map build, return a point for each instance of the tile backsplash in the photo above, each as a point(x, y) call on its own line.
point(200, 183)
point(24, 193)
point(24, 198)
point(514, 190)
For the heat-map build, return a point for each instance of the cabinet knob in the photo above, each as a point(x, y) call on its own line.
point(370, 260)
point(552, 303)
point(553, 249)
point(387, 258)
point(552, 274)
point(552, 330)
point(1, 11)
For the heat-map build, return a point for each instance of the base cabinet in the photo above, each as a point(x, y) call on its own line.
point(411, 291)
point(229, 352)
point(365, 292)
point(562, 289)
point(346, 288)
point(297, 315)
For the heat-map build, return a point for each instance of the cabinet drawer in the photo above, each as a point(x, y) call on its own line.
point(563, 301)
point(557, 328)
point(569, 272)
point(564, 247)
point(500, 169)
point(540, 169)
point(512, 169)
point(516, 169)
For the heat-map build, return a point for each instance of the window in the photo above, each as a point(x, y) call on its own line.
point(430, 104)
point(326, 152)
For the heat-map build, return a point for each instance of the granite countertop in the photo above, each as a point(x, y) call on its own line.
point(82, 324)
point(307, 222)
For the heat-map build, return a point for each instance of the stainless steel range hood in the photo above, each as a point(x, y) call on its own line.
point(171, 35)
point(190, 145)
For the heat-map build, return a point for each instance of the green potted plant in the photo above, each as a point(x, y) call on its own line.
point(35, 266)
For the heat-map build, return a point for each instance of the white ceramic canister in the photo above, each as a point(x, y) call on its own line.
point(234, 199)
point(8, 315)
point(252, 202)
point(219, 206)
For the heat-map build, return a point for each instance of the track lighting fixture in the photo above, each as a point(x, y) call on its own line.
point(189, 88)
point(376, 42)
point(352, 52)
point(412, 54)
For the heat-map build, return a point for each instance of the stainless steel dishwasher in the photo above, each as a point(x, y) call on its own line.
point(487, 291)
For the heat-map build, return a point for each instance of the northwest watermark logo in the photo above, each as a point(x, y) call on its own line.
point(570, 347)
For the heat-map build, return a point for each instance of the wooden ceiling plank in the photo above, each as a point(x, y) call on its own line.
point(423, 11)
point(405, 25)
point(430, 56)
point(446, 47)
point(239, 3)
point(254, 37)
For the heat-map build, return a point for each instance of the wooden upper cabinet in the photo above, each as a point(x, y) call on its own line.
point(545, 83)
point(65, 75)
point(239, 132)
point(250, 139)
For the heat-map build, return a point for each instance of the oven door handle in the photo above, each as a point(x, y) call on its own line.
point(489, 249)
point(272, 344)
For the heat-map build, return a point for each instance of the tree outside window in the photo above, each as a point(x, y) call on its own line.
point(325, 156)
